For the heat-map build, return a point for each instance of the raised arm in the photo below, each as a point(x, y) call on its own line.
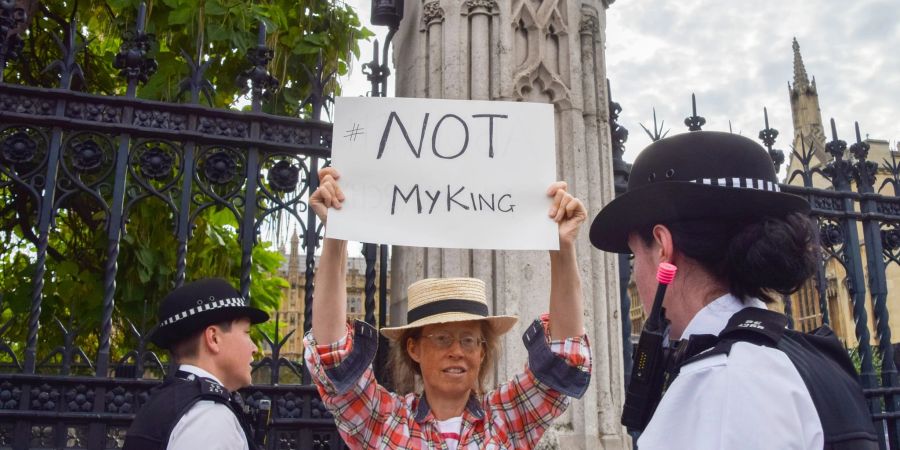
point(566, 296)
point(330, 297)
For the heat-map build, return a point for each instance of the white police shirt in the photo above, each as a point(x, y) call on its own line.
point(751, 399)
point(208, 424)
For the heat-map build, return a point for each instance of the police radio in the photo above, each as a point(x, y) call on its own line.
point(649, 362)
point(263, 414)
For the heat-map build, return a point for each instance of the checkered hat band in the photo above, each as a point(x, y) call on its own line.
point(746, 183)
point(224, 303)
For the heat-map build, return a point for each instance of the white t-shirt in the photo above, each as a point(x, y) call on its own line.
point(207, 425)
point(450, 429)
point(752, 398)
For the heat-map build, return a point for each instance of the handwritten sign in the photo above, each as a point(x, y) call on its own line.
point(444, 173)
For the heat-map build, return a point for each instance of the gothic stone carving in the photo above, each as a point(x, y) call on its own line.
point(542, 34)
point(471, 5)
point(432, 12)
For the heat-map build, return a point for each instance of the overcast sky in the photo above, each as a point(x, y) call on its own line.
point(736, 56)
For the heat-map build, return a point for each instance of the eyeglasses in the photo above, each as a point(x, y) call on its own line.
point(467, 342)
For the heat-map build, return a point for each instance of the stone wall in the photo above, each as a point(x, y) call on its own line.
point(538, 51)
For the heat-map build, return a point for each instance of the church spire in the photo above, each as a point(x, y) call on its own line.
point(294, 258)
point(801, 80)
point(808, 131)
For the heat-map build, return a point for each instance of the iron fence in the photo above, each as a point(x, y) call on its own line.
point(58, 144)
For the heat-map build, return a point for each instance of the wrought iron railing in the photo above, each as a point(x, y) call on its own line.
point(119, 151)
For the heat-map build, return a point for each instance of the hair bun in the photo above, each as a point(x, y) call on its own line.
point(777, 254)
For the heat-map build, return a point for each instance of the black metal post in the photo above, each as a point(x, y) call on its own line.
point(115, 221)
point(68, 70)
point(840, 172)
point(768, 135)
point(864, 173)
point(11, 17)
point(694, 122)
point(390, 13)
point(621, 171)
point(195, 84)
point(262, 83)
point(370, 254)
point(805, 157)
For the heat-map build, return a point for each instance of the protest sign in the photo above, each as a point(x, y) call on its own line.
point(444, 173)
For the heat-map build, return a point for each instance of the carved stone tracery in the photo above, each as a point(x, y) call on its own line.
point(471, 6)
point(543, 32)
point(589, 24)
point(432, 12)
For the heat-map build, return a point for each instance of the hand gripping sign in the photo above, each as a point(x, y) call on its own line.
point(444, 173)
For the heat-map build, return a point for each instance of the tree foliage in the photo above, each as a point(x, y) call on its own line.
point(215, 33)
point(218, 32)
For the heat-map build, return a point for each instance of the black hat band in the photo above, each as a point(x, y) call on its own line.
point(447, 306)
point(223, 303)
point(747, 183)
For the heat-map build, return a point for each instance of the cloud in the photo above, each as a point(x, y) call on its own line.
point(737, 57)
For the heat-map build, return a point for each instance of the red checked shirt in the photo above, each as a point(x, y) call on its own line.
point(512, 416)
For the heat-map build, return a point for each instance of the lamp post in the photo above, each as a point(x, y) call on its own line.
point(386, 13)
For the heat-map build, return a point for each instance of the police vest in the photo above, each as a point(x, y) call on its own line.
point(821, 361)
point(154, 422)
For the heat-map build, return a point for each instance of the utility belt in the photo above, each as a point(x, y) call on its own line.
point(819, 357)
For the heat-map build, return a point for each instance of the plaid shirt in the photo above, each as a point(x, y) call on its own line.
point(512, 416)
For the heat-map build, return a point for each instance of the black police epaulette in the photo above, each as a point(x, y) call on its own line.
point(209, 387)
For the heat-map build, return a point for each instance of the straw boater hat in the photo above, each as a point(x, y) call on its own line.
point(197, 305)
point(694, 176)
point(442, 300)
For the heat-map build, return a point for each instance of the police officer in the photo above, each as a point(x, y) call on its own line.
point(206, 327)
point(710, 203)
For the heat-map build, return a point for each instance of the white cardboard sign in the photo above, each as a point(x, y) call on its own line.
point(444, 173)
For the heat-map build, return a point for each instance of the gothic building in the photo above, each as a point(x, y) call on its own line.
point(809, 134)
point(291, 312)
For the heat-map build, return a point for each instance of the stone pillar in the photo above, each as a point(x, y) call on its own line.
point(538, 51)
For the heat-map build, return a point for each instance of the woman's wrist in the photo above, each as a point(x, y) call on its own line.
point(332, 242)
point(565, 248)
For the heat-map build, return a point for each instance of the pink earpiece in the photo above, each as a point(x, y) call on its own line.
point(666, 273)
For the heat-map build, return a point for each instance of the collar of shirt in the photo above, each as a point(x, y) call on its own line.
point(714, 316)
point(423, 411)
point(199, 372)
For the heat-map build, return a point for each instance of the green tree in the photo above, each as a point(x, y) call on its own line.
point(301, 33)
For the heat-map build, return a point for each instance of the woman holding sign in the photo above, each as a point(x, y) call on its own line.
point(448, 347)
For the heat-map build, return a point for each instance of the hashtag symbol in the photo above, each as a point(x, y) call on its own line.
point(354, 132)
